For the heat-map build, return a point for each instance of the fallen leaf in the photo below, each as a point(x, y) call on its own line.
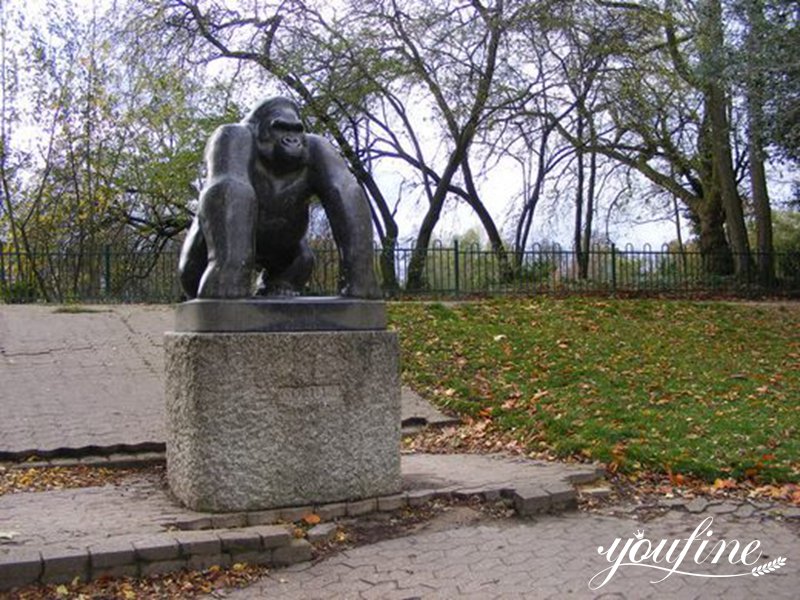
point(539, 395)
point(724, 484)
point(312, 519)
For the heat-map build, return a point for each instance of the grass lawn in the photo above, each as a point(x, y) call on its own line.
point(698, 388)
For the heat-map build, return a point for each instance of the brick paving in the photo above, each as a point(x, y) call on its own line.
point(142, 504)
point(137, 528)
point(549, 557)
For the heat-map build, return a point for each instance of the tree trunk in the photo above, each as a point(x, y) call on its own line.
point(755, 115)
point(714, 249)
point(526, 218)
point(587, 227)
point(763, 213)
point(506, 270)
point(578, 232)
point(716, 102)
point(386, 226)
point(725, 179)
point(416, 266)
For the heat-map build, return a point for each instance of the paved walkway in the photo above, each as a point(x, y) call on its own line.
point(84, 381)
point(93, 380)
point(81, 380)
point(550, 557)
point(142, 505)
point(469, 556)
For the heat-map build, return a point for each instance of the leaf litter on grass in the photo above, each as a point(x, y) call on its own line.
point(702, 389)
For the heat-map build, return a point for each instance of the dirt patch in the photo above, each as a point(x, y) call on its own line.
point(41, 479)
point(439, 515)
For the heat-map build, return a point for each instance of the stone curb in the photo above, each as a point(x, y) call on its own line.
point(271, 545)
point(258, 537)
point(529, 499)
point(117, 460)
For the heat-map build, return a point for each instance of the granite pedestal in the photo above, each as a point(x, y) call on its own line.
point(261, 417)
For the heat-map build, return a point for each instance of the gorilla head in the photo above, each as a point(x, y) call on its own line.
point(280, 134)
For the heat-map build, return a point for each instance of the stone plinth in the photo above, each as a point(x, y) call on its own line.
point(281, 314)
point(260, 420)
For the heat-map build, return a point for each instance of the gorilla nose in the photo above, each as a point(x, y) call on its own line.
point(292, 141)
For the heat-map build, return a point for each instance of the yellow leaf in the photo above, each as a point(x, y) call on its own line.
point(238, 567)
point(724, 484)
point(62, 591)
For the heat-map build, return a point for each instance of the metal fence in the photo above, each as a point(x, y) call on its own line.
point(109, 275)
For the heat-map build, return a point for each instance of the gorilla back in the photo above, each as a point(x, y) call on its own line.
point(253, 211)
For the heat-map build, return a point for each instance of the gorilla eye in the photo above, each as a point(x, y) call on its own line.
point(283, 125)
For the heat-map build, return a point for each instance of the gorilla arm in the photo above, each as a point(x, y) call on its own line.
point(227, 214)
point(348, 213)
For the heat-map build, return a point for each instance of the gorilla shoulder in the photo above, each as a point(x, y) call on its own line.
point(324, 159)
point(230, 150)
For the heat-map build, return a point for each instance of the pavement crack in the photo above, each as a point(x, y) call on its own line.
point(133, 339)
point(45, 352)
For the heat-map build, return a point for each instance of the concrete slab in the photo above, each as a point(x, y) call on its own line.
point(89, 379)
point(76, 381)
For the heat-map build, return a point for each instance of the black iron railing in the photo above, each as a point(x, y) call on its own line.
point(109, 275)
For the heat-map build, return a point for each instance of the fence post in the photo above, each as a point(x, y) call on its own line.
point(613, 267)
point(456, 265)
point(107, 269)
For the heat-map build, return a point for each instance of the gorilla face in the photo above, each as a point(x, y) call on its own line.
point(282, 140)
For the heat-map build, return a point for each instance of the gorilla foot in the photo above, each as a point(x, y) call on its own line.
point(225, 283)
point(280, 289)
point(366, 290)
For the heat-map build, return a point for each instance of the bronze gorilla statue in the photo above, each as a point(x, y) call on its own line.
point(254, 211)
